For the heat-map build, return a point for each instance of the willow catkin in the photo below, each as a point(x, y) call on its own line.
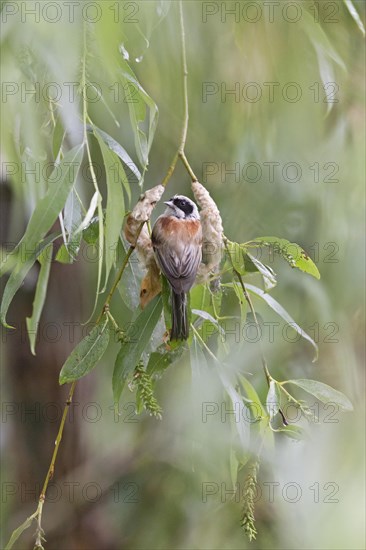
point(151, 284)
point(212, 232)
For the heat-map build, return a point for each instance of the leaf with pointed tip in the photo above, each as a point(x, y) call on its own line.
point(45, 259)
point(86, 354)
point(44, 215)
point(138, 101)
point(283, 313)
point(19, 273)
point(17, 532)
point(117, 148)
point(323, 392)
point(115, 204)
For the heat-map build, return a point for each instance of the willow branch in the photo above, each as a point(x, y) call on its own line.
point(251, 307)
point(180, 152)
point(185, 80)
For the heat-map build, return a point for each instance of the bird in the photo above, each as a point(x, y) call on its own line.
point(177, 243)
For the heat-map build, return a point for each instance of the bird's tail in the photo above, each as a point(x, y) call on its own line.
point(180, 328)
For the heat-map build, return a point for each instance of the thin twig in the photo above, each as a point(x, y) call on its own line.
point(170, 171)
point(180, 152)
point(185, 81)
point(187, 166)
point(51, 469)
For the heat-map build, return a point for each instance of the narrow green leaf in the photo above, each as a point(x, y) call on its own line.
point(48, 208)
point(273, 401)
point(236, 257)
point(323, 392)
point(137, 339)
point(117, 148)
point(129, 287)
point(269, 276)
point(44, 215)
point(138, 101)
point(72, 212)
point(45, 259)
point(57, 138)
point(86, 354)
point(115, 204)
point(17, 532)
point(259, 410)
point(23, 266)
point(294, 255)
point(282, 313)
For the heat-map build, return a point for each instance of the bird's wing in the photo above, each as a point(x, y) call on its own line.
point(178, 261)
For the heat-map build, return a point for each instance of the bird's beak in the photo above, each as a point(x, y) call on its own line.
point(169, 203)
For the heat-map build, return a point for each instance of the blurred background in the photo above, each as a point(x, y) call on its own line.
point(277, 135)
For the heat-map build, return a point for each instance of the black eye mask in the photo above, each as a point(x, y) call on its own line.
point(184, 205)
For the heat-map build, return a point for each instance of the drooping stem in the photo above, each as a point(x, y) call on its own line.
point(170, 171)
point(180, 152)
point(187, 166)
point(51, 469)
point(185, 81)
